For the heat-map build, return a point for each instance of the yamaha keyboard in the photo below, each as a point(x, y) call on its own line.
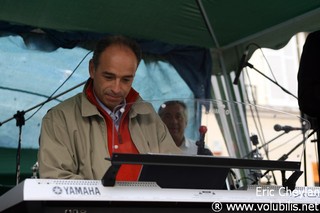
point(82, 196)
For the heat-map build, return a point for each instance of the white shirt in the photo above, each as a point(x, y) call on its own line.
point(114, 115)
point(189, 146)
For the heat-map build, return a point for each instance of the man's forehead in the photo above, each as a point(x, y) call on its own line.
point(174, 111)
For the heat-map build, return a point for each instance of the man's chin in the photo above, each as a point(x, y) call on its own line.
point(175, 132)
point(112, 103)
point(111, 106)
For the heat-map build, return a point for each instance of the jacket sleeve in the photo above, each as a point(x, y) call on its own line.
point(56, 156)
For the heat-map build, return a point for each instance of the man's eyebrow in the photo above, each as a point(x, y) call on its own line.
point(113, 74)
point(108, 73)
point(128, 76)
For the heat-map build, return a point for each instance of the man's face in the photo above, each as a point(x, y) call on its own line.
point(113, 77)
point(174, 118)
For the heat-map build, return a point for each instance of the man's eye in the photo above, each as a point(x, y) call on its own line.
point(108, 77)
point(127, 79)
point(168, 117)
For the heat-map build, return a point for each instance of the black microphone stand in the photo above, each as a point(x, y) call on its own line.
point(201, 148)
point(263, 145)
point(286, 91)
point(258, 148)
point(20, 121)
point(276, 83)
point(283, 158)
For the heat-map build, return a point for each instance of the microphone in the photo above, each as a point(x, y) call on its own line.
point(123, 105)
point(242, 64)
point(200, 143)
point(202, 130)
point(287, 129)
point(35, 169)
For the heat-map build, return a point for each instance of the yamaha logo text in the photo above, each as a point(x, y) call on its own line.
point(76, 190)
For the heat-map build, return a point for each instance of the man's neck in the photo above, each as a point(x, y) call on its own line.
point(181, 142)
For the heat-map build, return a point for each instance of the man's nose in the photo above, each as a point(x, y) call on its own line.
point(175, 120)
point(116, 87)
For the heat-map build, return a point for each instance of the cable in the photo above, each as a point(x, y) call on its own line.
point(284, 143)
point(265, 58)
point(260, 132)
point(62, 83)
point(259, 129)
point(27, 92)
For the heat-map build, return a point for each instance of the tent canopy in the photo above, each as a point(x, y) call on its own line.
point(226, 26)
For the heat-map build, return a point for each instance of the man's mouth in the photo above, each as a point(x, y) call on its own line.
point(175, 130)
point(114, 98)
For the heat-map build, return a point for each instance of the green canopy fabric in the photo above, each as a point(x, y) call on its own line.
point(225, 26)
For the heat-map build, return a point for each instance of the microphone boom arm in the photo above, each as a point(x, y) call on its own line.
point(40, 104)
point(276, 83)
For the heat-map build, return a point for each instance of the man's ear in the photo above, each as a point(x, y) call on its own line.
point(91, 68)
